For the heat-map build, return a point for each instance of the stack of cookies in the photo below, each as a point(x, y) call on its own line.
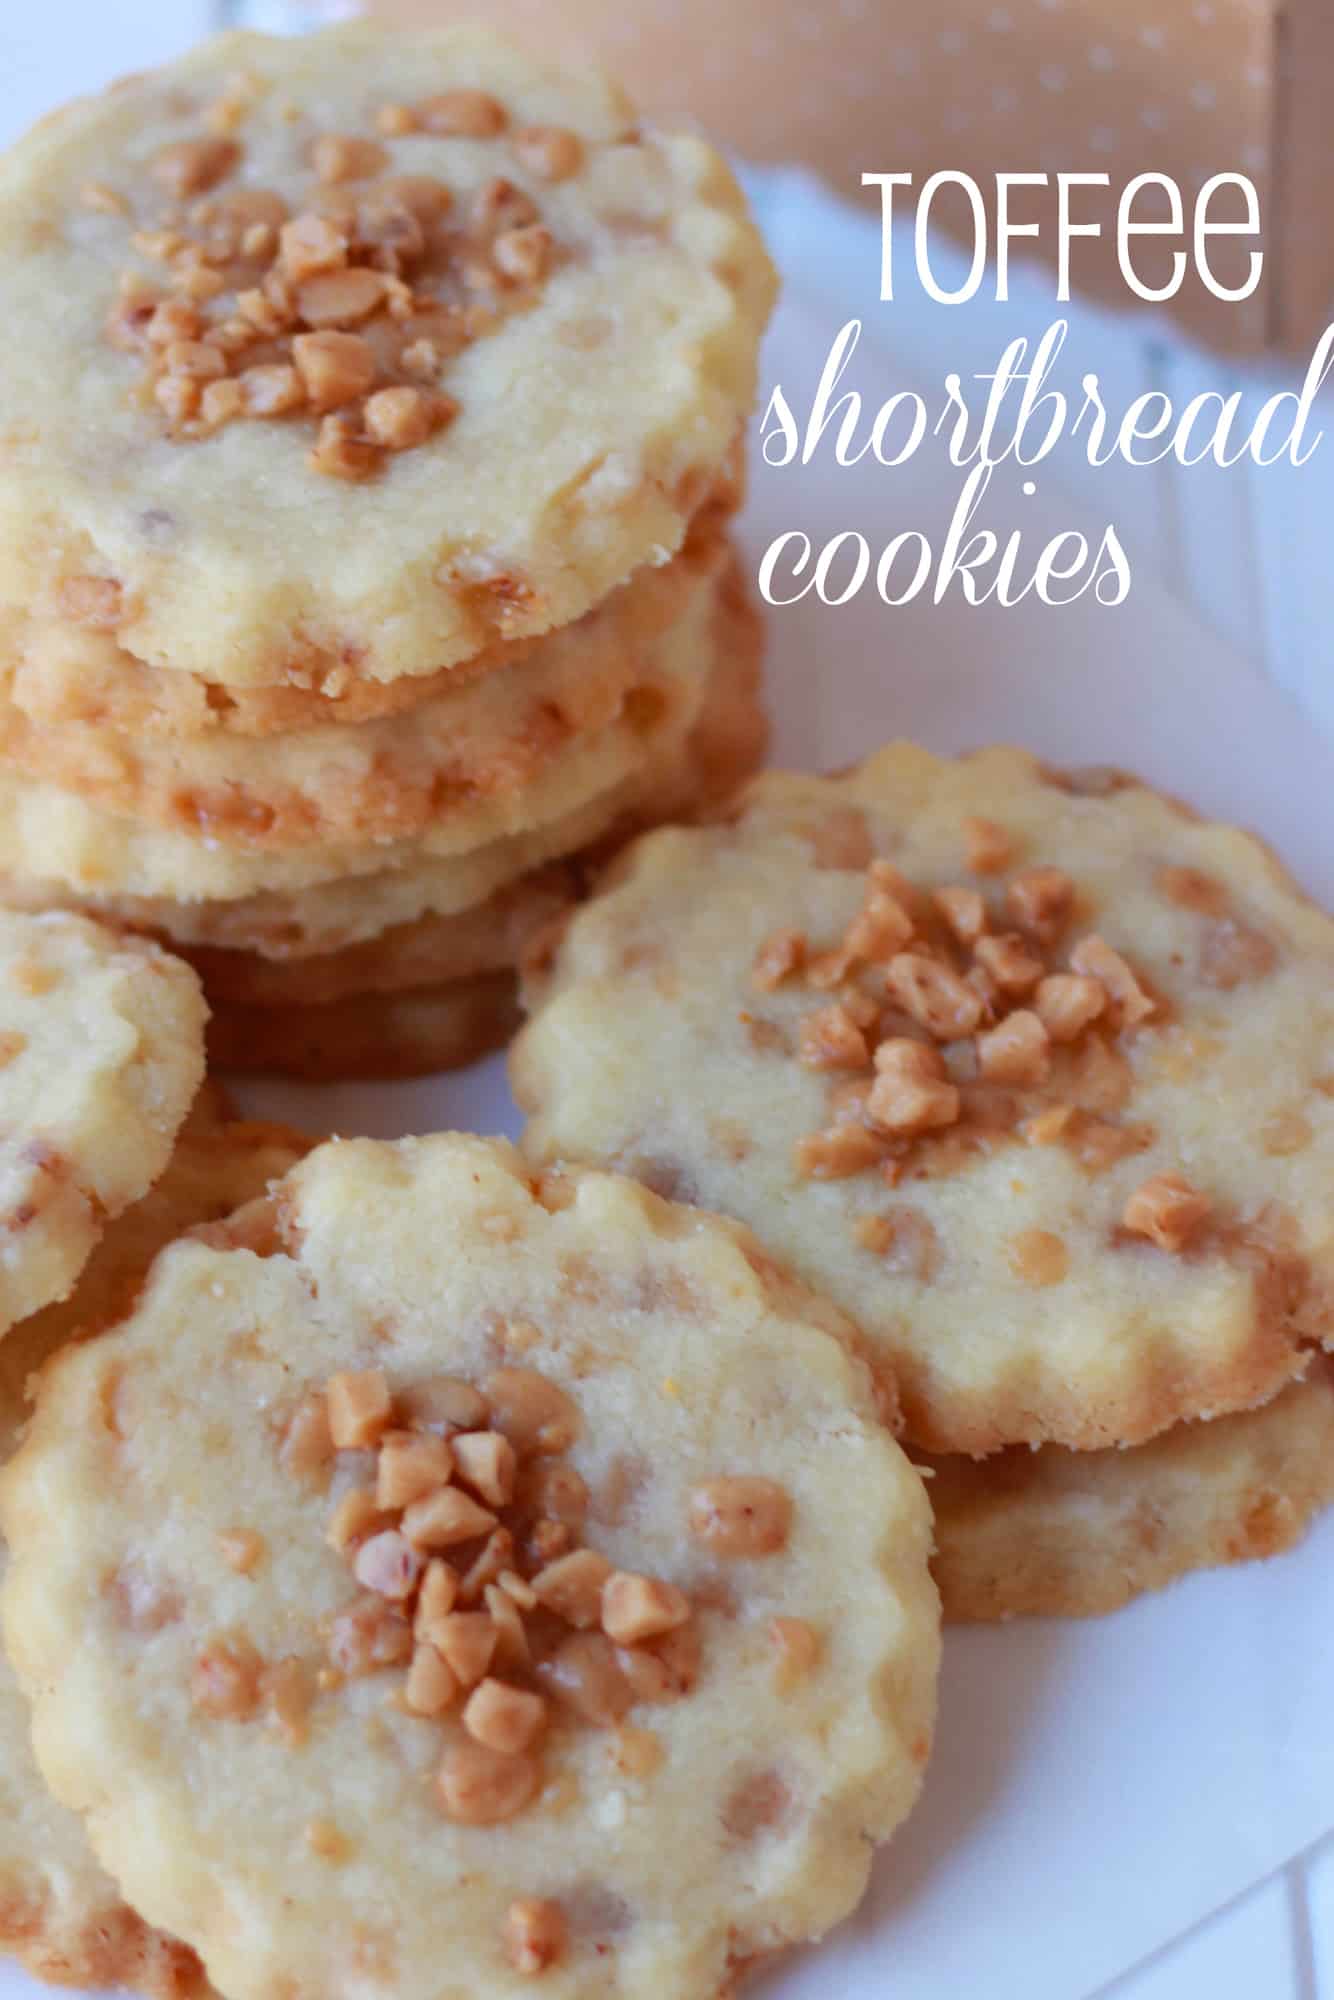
point(1032, 1074)
point(371, 428)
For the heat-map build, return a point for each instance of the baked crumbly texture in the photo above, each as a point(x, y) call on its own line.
point(694, 765)
point(60, 1913)
point(372, 351)
point(101, 1053)
point(669, 1670)
point(1066, 1534)
point(618, 676)
point(1032, 1074)
point(55, 674)
point(440, 991)
point(52, 836)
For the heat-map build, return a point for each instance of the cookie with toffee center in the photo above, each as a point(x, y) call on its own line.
point(1068, 1534)
point(1033, 1075)
point(414, 345)
point(60, 1912)
point(566, 1651)
point(101, 1053)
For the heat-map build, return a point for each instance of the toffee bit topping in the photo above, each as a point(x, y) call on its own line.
point(245, 282)
point(536, 1935)
point(504, 1718)
point(432, 1686)
point(370, 1635)
point(399, 419)
point(988, 849)
point(308, 1446)
point(1168, 1210)
point(1016, 1051)
point(1008, 964)
point(439, 1594)
point(335, 158)
point(586, 1675)
point(635, 1608)
point(1067, 1003)
point(445, 1519)
point(359, 1409)
point(523, 255)
point(388, 1564)
point(964, 910)
point(946, 1036)
point(935, 996)
point(782, 954)
point(340, 298)
point(572, 1587)
point(464, 114)
point(334, 368)
point(479, 1786)
point(467, 1641)
point(410, 1467)
point(831, 1039)
point(838, 1154)
point(1095, 959)
point(227, 1681)
point(910, 1092)
point(513, 1618)
point(549, 151)
point(356, 1516)
point(1040, 901)
point(191, 166)
point(487, 1462)
point(343, 451)
point(530, 1411)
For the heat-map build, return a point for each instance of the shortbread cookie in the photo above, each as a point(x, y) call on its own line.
point(59, 1911)
point(493, 937)
point(690, 770)
point(58, 674)
point(617, 677)
point(1034, 1076)
point(497, 934)
point(412, 344)
point(50, 830)
point(51, 836)
point(439, 992)
point(1062, 1534)
point(415, 1031)
point(518, 1621)
point(101, 1051)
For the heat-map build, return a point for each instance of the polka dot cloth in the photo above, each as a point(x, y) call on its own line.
point(1185, 87)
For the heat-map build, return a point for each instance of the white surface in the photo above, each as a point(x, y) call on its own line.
point(1100, 1789)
